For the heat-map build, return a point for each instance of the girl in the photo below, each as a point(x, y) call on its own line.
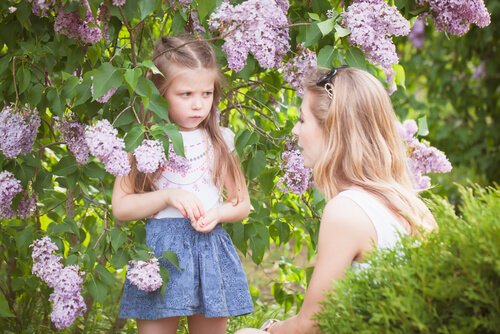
point(184, 201)
point(347, 133)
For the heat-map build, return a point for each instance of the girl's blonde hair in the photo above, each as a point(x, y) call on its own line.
point(361, 143)
point(187, 52)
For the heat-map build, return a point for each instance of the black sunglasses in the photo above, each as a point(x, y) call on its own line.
point(327, 78)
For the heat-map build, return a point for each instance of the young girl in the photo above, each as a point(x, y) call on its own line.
point(347, 133)
point(185, 202)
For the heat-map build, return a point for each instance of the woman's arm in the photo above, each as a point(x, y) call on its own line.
point(344, 233)
point(128, 205)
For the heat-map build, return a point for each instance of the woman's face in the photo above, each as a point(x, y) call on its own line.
point(309, 133)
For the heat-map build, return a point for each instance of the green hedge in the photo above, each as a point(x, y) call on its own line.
point(448, 284)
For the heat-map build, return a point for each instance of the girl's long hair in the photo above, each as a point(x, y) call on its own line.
point(361, 144)
point(187, 52)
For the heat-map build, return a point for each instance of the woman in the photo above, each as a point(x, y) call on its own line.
point(347, 131)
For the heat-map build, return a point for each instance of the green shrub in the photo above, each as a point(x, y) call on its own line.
point(448, 283)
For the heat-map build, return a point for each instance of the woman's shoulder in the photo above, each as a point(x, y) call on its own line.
point(343, 212)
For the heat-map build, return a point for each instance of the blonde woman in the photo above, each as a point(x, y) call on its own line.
point(347, 133)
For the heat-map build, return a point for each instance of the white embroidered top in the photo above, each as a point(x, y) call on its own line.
point(198, 178)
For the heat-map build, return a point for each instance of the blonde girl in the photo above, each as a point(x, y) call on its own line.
point(347, 133)
point(184, 202)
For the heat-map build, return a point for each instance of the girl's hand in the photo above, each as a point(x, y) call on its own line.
point(186, 202)
point(208, 221)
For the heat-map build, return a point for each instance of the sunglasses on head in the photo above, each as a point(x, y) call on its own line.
point(325, 80)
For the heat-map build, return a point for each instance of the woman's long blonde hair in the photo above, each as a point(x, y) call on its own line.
point(361, 143)
point(187, 52)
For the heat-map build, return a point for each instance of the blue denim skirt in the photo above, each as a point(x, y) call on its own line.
point(210, 281)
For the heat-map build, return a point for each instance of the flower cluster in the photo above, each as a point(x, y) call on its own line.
point(295, 69)
point(456, 16)
point(372, 24)
point(74, 27)
point(27, 206)
point(41, 7)
point(259, 27)
point(9, 188)
point(150, 155)
point(417, 33)
point(182, 3)
point(176, 162)
point(297, 178)
point(119, 3)
point(195, 22)
point(72, 134)
point(145, 275)
point(18, 130)
point(104, 144)
point(424, 158)
point(68, 303)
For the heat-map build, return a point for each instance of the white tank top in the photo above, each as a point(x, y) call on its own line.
point(388, 228)
point(198, 177)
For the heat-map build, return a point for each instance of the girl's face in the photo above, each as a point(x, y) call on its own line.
point(309, 133)
point(190, 96)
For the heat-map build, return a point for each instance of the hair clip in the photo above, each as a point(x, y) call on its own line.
point(329, 89)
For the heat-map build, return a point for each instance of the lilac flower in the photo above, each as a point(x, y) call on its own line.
point(480, 71)
point(372, 23)
point(196, 22)
point(417, 33)
point(407, 130)
point(183, 3)
point(295, 69)
point(149, 156)
point(27, 205)
point(104, 144)
point(72, 25)
point(103, 17)
point(176, 162)
point(105, 98)
point(41, 7)
point(119, 3)
point(46, 265)
point(259, 27)
point(72, 134)
point(297, 177)
point(456, 16)
point(9, 188)
point(67, 298)
point(145, 275)
point(18, 130)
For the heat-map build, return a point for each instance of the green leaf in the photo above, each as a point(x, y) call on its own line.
point(423, 130)
point(400, 75)
point(124, 118)
point(120, 259)
point(93, 170)
point(82, 93)
point(144, 87)
point(97, 289)
point(134, 137)
point(94, 53)
point(178, 24)
point(165, 276)
point(355, 58)
point(23, 78)
point(4, 64)
point(105, 77)
point(341, 32)
point(146, 7)
point(148, 64)
point(5, 311)
point(313, 34)
point(326, 26)
point(132, 78)
point(314, 16)
point(159, 106)
point(172, 258)
point(34, 94)
point(67, 165)
point(176, 138)
point(205, 7)
point(105, 276)
point(118, 238)
point(257, 164)
point(326, 56)
point(24, 239)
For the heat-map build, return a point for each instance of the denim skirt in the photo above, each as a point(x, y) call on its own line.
point(210, 281)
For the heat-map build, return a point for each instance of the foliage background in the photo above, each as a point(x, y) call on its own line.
point(42, 69)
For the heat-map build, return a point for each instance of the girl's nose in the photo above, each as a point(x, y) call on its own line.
point(197, 104)
point(295, 130)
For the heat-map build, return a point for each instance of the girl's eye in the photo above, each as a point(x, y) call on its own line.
point(208, 93)
point(186, 94)
point(301, 120)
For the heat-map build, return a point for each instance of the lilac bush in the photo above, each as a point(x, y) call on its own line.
point(73, 134)
point(74, 27)
point(297, 178)
point(295, 69)
point(9, 188)
point(145, 274)
point(372, 24)
point(18, 130)
point(259, 27)
point(150, 155)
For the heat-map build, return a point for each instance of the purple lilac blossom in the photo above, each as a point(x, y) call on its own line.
point(72, 25)
point(41, 7)
point(417, 33)
point(297, 178)
point(372, 24)
point(72, 134)
point(150, 155)
point(145, 275)
point(295, 69)
point(27, 205)
point(46, 265)
point(104, 144)
point(103, 17)
point(480, 71)
point(259, 27)
point(407, 130)
point(9, 188)
point(119, 3)
point(196, 22)
point(18, 130)
point(183, 3)
point(176, 162)
point(456, 16)
point(67, 297)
